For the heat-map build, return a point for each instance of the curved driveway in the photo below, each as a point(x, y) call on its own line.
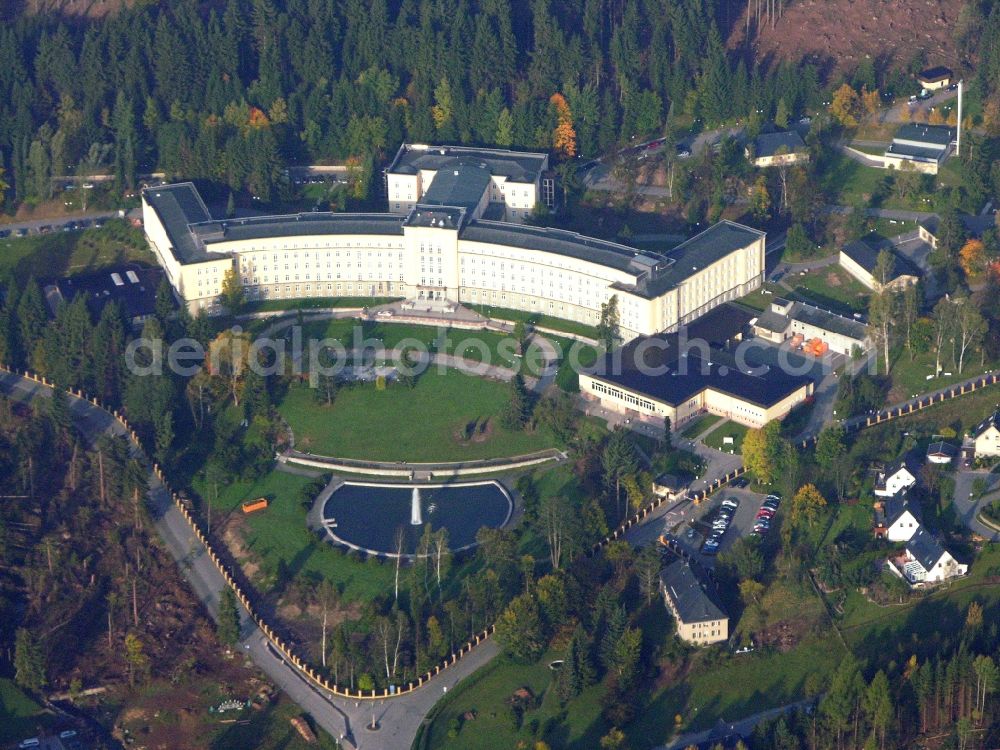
point(398, 718)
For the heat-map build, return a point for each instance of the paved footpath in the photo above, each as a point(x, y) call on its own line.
point(398, 718)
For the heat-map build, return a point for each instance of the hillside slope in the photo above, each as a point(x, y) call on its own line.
point(838, 34)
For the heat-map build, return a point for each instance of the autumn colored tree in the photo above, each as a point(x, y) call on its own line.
point(564, 135)
point(972, 258)
point(807, 505)
point(844, 106)
point(870, 103)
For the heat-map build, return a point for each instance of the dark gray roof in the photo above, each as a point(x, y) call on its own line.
point(937, 73)
point(767, 144)
point(933, 135)
point(656, 367)
point(561, 242)
point(924, 548)
point(132, 287)
point(993, 420)
point(698, 252)
point(974, 225)
point(865, 254)
point(514, 165)
point(296, 225)
point(896, 506)
point(771, 320)
point(461, 186)
point(177, 206)
point(692, 593)
point(915, 152)
point(942, 449)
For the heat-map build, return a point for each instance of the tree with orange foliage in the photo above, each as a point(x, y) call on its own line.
point(564, 135)
point(870, 103)
point(972, 258)
point(844, 106)
point(257, 118)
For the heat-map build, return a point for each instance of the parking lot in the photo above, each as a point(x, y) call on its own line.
point(741, 525)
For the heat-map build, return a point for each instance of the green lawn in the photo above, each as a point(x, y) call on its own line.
point(729, 429)
point(547, 321)
point(698, 425)
point(400, 424)
point(910, 377)
point(19, 714)
point(831, 288)
point(278, 536)
point(763, 297)
point(312, 303)
point(475, 345)
point(486, 693)
point(67, 253)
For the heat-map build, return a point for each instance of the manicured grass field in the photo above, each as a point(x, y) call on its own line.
point(313, 303)
point(831, 288)
point(698, 425)
point(475, 345)
point(18, 713)
point(67, 253)
point(279, 538)
point(546, 321)
point(730, 429)
point(400, 424)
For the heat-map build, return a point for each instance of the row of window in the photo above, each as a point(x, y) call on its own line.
point(625, 396)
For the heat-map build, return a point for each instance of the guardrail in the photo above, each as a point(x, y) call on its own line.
point(271, 633)
point(638, 517)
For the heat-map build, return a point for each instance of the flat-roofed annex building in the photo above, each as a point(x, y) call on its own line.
point(445, 248)
point(681, 375)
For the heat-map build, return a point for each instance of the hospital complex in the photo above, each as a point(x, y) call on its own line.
point(456, 231)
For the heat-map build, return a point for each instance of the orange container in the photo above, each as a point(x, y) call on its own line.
point(253, 505)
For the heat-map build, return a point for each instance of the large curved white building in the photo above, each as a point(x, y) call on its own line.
point(444, 247)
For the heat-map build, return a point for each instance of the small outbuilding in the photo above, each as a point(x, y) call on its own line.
point(941, 453)
point(935, 78)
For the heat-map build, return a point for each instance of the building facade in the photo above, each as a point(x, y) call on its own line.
point(986, 436)
point(517, 181)
point(691, 598)
point(445, 248)
point(789, 320)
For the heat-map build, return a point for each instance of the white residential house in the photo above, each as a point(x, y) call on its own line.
point(895, 478)
point(986, 436)
point(897, 519)
point(925, 561)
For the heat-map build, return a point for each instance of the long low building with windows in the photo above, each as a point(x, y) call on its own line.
point(444, 248)
point(706, 367)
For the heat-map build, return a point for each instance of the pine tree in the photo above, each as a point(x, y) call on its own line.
point(228, 626)
point(29, 661)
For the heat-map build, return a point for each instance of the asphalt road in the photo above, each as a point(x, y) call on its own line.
point(56, 222)
point(398, 719)
point(967, 507)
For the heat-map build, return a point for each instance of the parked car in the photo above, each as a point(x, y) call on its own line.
point(740, 483)
point(731, 502)
point(22, 232)
point(683, 153)
point(4, 233)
